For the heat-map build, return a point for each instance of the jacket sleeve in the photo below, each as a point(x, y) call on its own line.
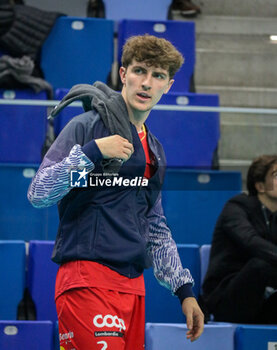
point(238, 227)
point(165, 259)
point(52, 180)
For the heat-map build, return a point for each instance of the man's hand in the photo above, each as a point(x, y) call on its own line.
point(195, 318)
point(115, 146)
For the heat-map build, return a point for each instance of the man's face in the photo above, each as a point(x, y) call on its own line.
point(143, 86)
point(269, 186)
point(271, 182)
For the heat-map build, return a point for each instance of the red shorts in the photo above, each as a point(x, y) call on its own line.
point(100, 319)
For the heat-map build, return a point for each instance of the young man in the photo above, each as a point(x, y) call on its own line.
point(241, 281)
point(110, 232)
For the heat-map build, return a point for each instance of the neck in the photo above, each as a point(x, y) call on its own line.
point(136, 117)
point(138, 122)
point(270, 203)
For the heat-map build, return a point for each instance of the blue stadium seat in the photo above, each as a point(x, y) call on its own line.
point(23, 128)
point(205, 250)
point(160, 305)
point(133, 9)
point(256, 337)
point(180, 33)
point(189, 138)
point(19, 219)
point(12, 277)
point(78, 50)
point(193, 200)
point(173, 336)
point(26, 335)
point(41, 279)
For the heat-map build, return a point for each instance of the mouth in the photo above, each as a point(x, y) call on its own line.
point(143, 96)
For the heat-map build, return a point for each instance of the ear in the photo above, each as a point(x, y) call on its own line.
point(260, 187)
point(170, 83)
point(122, 73)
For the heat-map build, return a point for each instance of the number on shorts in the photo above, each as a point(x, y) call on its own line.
point(105, 345)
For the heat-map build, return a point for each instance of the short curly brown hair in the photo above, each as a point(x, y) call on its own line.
point(154, 51)
point(258, 170)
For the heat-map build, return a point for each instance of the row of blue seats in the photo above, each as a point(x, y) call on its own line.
point(187, 195)
point(194, 134)
point(81, 50)
point(189, 138)
point(90, 60)
point(41, 274)
point(41, 279)
point(44, 335)
point(215, 337)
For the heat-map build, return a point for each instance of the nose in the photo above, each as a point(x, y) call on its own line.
point(146, 84)
point(146, 87)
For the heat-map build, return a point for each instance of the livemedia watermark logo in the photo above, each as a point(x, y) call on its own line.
point(166, 179)
point(83, 178)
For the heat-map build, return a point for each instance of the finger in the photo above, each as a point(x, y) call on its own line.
point(128, 148)
point(191, 337)
point(189, 334)
point(127, 154)
point(130, 151)
point(189, 321)
point(196, 332)
point(194, 337)
point(124, 157)
point(128, 145)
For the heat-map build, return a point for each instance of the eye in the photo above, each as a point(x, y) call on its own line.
point(159, 75)
point(138, 70)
